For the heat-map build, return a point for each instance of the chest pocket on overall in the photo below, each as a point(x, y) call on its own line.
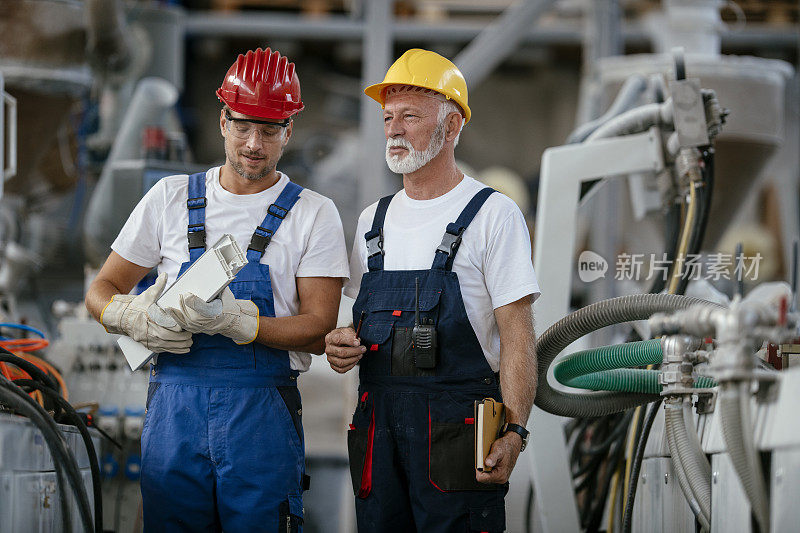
point(397, 308)
point(253, 283)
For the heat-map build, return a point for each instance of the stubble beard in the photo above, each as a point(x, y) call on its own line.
point(238, 166)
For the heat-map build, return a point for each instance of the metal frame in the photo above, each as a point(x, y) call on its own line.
point(564, 168)
point(8, 123)
point(342, 28)
point(375, 181)
point(499, 39)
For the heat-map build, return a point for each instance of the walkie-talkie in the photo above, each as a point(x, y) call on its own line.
point(423, 337)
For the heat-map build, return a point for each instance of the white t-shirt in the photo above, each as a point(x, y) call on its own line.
point(309, 242)
point(493, 263)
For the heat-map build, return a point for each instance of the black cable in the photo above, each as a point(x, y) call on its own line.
point(59, 451)
point(10, 398)
point(596, 514)
point(593, 463)
point(637, 464)
point(672, 234)
point(708, 183)
point(34, 371)
point(619, 429)
point(73, 417)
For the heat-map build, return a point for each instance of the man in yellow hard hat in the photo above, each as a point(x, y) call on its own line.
point(444, 284)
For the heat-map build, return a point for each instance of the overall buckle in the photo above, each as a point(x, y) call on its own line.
point(450, 242)
point(197, 236)
point(259, 242)
point(374, 243)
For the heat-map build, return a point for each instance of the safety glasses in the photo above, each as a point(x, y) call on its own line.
point(243, 128)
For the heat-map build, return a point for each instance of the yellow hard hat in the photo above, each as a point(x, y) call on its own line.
point(423, 68)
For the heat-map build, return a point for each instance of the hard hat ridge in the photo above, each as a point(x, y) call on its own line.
point(428, 70)
point(262, 83)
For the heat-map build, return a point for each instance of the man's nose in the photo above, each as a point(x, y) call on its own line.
point(254, 140)
point(393, 128)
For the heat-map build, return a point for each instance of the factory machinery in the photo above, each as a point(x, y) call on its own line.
point(716, 446)
point(108, 75)
point(680, 420)
point(685, 421)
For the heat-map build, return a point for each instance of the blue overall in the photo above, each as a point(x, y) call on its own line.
point(222, 445)
point(411, 443)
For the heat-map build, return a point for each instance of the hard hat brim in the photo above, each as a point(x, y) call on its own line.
point(375, 91)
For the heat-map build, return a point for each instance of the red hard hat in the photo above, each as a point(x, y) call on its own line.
point(262, 83)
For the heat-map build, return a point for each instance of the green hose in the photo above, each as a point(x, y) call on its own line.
point(605, 368)
point(641, 353)
point(627, 380)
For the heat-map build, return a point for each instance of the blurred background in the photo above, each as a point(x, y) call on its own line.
point(104, 97)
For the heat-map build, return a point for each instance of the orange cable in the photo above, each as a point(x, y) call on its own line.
point(25, 345)
point(38, 361)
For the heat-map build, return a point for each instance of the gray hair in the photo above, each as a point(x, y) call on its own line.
point(445, 108)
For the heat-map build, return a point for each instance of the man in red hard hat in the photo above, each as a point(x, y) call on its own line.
point(443, 283)
point(222, 445)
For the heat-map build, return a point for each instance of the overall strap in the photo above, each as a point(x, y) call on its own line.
point(375, 235)
point(446, 252)
point(196, 203)
point(275, 214)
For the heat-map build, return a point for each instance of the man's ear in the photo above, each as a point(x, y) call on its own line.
point(454, 123)
point(288, 133)
point(222, 122)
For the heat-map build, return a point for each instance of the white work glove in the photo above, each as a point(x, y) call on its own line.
point(225, 315)
point(138, 317)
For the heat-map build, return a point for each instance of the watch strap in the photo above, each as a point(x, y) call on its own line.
point(519, 430)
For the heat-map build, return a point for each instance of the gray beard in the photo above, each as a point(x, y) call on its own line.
point(415, 159)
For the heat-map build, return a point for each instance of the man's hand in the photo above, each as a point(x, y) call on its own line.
point(502, 458)
point(138, 317)
point(236, 319)
point(343, 349)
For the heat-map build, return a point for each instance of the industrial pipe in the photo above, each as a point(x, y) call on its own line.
point(639, 353)
point(690, 461)
point(150, 106)
point(683, 481)
point(108, 47)
point(628, 95)
point(734, 411)
point(584, 321)
point(635, 121)
point(636, 380)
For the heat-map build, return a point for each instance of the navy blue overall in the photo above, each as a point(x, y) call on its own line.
point(411, 443)
point(222, 445)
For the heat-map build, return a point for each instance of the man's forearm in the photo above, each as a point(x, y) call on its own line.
point(303, 333)
point(518, 383)
point(97, 297)
point(518, 370)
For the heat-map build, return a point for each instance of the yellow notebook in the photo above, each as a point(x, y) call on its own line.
point(489, 418)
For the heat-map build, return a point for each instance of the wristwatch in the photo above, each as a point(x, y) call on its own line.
point(519, 430)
